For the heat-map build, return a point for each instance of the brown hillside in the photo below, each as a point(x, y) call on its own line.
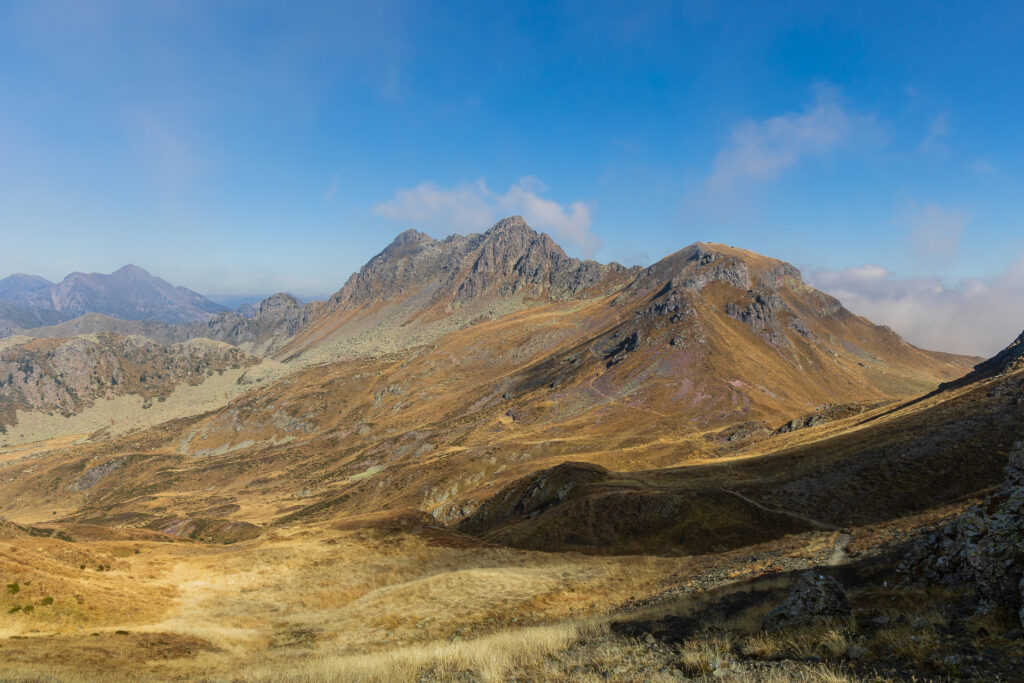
point(630, 380)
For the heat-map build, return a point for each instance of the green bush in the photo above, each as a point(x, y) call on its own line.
point(47, 601)
point(13, 588)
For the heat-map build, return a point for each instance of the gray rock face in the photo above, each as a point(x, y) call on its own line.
point(984, 548)
point(814, 597)
point(761, 314)
point(510, 258)
point(68, 375)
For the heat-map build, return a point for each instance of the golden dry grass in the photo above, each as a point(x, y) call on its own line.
point(344, 599)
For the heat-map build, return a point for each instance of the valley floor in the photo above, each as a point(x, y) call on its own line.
point(387, 598)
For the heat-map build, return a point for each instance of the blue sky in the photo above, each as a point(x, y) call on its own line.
point(246, 147)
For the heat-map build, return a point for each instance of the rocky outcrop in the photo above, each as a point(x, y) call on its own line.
point(761, 314)
point(815, 597)
point(531, 496)
point(1008, 360)
point(68, 375)
point(983, 548)
point(830, 413)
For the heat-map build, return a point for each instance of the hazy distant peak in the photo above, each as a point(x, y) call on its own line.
point(27, 280)
point(16, 288)
point(129, 293)
point(132, 270)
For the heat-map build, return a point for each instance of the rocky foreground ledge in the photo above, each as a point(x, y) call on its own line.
point(983, 548)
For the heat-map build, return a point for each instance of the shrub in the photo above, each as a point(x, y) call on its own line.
point(13, 588)
point(47, 601)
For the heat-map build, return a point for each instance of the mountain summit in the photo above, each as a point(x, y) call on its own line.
point(129, 293)
point(19, 288)
point(419, 288)
point(510, 258)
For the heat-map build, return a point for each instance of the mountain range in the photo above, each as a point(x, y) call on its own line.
point(482, 421)
point(713, 333)
point(129, 293)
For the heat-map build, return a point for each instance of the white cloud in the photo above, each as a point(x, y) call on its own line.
point(974, 316)
point(761, 150)
point(935, 232)
point(470, 207)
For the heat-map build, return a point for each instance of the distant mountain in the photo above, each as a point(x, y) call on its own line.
point(259, 329)
point(14, 318)
point(129, 293)
point(238, 302)
point(19, 288)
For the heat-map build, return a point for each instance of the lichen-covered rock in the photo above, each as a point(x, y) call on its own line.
point(983, 548)
point(814, 597)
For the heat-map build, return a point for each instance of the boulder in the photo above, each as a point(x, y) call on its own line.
point(815, 597)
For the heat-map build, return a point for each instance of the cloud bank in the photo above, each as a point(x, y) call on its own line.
point(973, 316)
point(471, 207)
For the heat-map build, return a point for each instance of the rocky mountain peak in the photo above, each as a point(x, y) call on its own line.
point(278, 306)
point(512, 238)
point(510, 258)
point(512, 227)
point(410, 239)
point(511, 223)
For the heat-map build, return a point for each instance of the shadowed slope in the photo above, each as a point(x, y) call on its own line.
point(930, 452)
